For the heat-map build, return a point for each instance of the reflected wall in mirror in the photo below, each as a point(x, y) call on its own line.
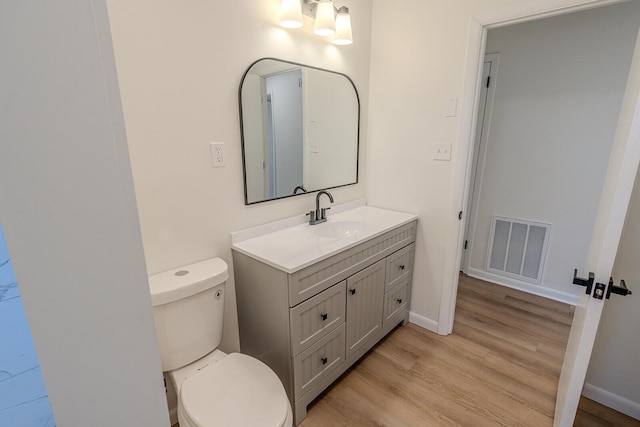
point(300, 129)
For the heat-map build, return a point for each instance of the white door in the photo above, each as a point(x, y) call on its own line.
point(489, 71)
point(285, 90)
point(621, 173)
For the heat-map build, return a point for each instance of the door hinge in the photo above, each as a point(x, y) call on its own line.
point(465, 244)
point(488, 80)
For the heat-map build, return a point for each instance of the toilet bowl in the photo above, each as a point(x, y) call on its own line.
point(213, 388)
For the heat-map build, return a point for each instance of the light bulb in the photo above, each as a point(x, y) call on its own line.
point(343, 27)
point(325, 24)
point(290, 14)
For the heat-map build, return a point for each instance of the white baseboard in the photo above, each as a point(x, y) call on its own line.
point(612, 401)
point(423, 322)
point(539, 290)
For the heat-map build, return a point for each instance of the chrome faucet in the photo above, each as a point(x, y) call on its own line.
point(319, 215)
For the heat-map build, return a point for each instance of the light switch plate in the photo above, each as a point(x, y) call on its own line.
point(450, 107)
point(442, 151)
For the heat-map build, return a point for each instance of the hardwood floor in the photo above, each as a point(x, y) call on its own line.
point(499, 367)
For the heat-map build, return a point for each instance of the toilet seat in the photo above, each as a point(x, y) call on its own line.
point(238, 390)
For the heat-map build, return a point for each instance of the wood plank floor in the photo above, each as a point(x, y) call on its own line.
point(499, 367)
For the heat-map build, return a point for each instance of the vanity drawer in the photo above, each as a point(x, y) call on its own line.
point(395, 301)
point(314, 279)
point(399, 267)
point(316, 317)
point(316, 362)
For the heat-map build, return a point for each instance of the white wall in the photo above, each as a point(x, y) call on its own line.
point(330, 123)
point(557, 98)
point(179, 66)
point(69, 213)
point(613, 375)
point(418, 61)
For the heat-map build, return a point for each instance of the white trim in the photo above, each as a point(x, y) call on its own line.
point(539, 290)
point(611, 400)
point(478, 28)
point(423, 322)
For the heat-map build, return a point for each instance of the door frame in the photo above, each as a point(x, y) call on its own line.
point(479, 26)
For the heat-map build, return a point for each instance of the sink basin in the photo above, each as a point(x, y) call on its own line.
point(292, 244)
point(339, 229)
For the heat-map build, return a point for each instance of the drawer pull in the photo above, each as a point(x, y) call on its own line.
point(353, 291)
point(324, 316)
point(401, 266)
point(399, 300)
point(324, 360)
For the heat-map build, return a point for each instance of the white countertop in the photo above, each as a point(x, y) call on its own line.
point(290, 245)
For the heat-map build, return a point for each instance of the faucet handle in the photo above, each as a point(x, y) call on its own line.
point(312, 216)
point(323, 213)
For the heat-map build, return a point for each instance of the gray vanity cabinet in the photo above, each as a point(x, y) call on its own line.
point(310, 325)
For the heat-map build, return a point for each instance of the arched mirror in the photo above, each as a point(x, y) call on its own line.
point(300, 129)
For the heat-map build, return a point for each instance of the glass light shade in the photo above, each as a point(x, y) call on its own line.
point(290, 14)
point(325, 24)
point(343, 27)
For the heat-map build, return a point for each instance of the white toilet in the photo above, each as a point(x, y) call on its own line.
point(213, 388)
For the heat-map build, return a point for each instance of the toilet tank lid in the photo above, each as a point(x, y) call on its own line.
point(182, 282)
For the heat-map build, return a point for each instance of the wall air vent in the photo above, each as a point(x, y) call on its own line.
point(518, 248)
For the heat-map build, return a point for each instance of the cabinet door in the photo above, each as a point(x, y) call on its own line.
point(365, 292)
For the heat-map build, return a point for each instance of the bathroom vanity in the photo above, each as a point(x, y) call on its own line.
point(313, 299)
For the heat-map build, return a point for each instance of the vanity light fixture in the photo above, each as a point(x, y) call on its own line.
point(325, 24)
point(343, 27)
point(290, 14)
point(329, 20)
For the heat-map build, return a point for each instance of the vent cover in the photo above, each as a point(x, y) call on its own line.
point(518, 248)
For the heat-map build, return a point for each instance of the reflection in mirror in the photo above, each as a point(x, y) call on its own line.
point(300, 129)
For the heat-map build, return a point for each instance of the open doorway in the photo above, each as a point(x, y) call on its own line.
point(542, 154)
point(537, 154)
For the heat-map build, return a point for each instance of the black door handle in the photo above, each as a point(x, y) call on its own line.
point(353, 291)
point(583, 282)
point(324, 316)
point(618, 290)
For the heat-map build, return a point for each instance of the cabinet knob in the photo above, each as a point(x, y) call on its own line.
point(324, 360)
point(401, 266)
point(353, 291)
point(324, 316)
point(399, 300)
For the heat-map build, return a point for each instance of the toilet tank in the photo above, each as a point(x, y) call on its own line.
point(188, 309)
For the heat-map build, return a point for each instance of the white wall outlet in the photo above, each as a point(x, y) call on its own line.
point(217, 154)
point(442, 151)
